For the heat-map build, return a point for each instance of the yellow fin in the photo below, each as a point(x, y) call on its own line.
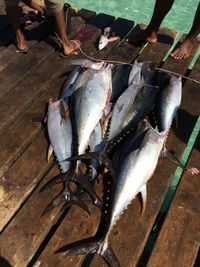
point(143, 192)
point(49, 153)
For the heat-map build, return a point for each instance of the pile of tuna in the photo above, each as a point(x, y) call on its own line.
point(107, 110)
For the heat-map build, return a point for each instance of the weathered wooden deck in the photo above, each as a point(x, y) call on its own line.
point(26, 83)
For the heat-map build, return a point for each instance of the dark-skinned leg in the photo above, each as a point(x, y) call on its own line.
point(13, 13)
point(69, 46)
point(161, 8)
point(184, 49)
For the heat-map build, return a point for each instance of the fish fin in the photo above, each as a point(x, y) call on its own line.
point(170, 155)
point(69, 198)
point(94, 246)
point(143, 193)
point(60, 178)
point(83, 181)
point(54, 203)
point(100, 155)
point(39, 120)
point(104, 122)
point(64, 112)
point(86, 63)
point(49, 153)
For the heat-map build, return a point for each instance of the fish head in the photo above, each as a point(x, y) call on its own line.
point(103, 42)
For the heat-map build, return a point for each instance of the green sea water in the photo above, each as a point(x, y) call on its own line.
point(179, 18)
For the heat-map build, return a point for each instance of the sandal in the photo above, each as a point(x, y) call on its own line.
point(19, 50)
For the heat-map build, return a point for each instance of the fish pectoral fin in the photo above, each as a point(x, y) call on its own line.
point(170, 155)
point(101, 156)
point(143, 192)
point(64, 112)
point(49, 152)
point(91, 245)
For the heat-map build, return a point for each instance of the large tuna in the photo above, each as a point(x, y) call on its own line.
point(89, 102)
point(136, 101)
point(60, 132)
point(132, 177)
point(168, 101)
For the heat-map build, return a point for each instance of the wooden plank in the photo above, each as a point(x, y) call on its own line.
point(28, 229)
point(22, 178)
point(21, 66)
point(166, 38)
point(72, 228)
point(179, 240)
point(25, 130)
point(180, 66)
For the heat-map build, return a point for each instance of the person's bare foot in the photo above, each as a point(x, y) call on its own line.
point(71, 48)
point(144, 36)
point(183, 50)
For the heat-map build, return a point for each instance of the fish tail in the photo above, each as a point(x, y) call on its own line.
point(69, 199)
point(101, 156)
point(91, 246)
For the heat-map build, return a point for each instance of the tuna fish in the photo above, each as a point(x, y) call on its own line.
point(120, 75)
point(60, 132)
point(89, 102)
point(168, 101)
point(131, 107)
point(60, 135)
point(132, 177)
point(136, 101)
point(68, 84)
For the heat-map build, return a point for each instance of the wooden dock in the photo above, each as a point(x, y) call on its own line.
point(26, 84)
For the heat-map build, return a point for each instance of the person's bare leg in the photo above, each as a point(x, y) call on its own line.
point(184, 49)
point(68, 46)
point(161, 8)
point(13, 13)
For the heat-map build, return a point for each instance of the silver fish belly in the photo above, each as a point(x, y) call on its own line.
point(60, 133)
